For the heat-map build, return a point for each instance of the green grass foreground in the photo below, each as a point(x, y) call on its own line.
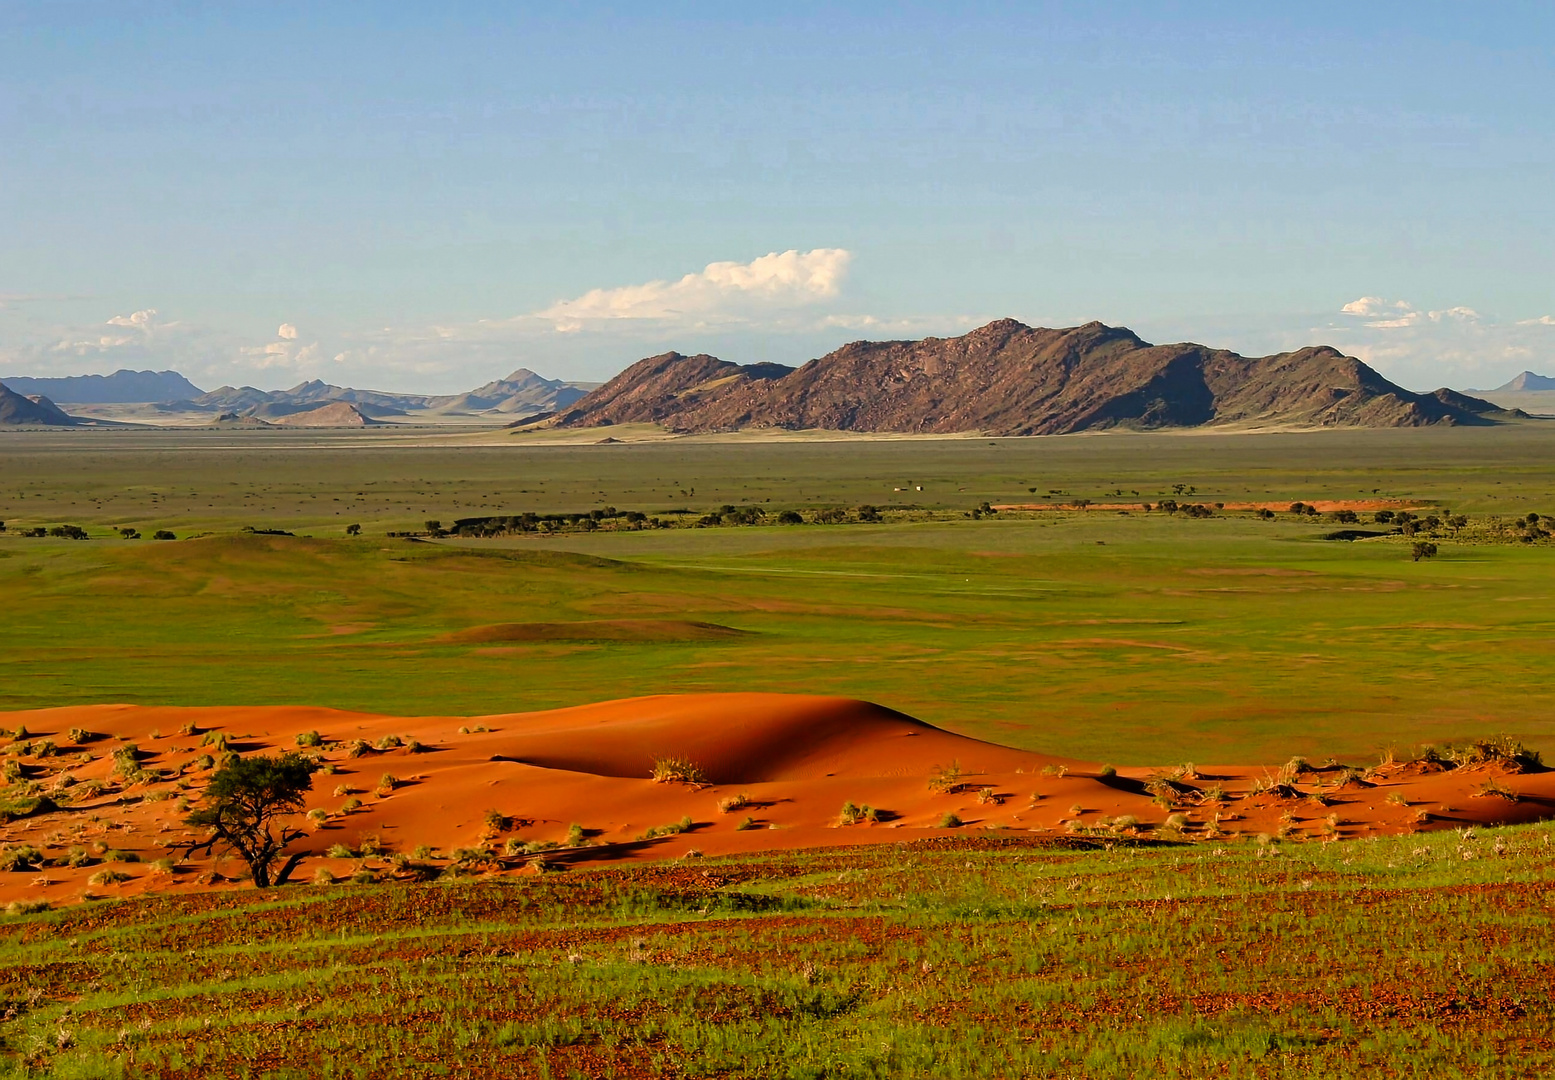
point(1423, 956)
point(1135, 639)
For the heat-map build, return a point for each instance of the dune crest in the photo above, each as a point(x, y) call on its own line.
point(510, 792)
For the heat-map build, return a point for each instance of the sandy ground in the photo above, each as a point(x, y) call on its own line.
point(795, 760)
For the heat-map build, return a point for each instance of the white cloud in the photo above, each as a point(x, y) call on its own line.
point(140, 320)
point(1456, 346)
point(723, 291)
point(287, 332)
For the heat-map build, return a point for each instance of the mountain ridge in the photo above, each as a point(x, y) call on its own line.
point(1007, 378)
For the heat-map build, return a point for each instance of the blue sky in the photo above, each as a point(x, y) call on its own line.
point(428, 196)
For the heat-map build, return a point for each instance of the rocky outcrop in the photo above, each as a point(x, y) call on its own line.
point(1010, 379)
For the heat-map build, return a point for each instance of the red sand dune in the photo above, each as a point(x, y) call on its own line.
point(1324, 506)
point(796, 759)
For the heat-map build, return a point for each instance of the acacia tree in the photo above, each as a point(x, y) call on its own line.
point(243, 805)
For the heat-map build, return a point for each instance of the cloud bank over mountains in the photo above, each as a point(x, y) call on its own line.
point(792, 303)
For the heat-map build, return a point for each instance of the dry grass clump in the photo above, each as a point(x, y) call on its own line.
point(107, 877)
point(1494, 789)
point(309, 738)
point(27, 907)
point(949, 820)
point(683, 825)
point(946, 779)
point(853, 815)
point(672, 769)
point(730, 803)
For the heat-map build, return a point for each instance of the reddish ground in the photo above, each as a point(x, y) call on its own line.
point(1321, 505)
point(796, 759)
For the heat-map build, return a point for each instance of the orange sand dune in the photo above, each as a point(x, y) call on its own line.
point(794, 760)
point(1321, 505)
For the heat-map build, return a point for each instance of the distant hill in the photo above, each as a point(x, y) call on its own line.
point(20, 410)
point(521, 393)
point(335, 414)
point(1526, 381)
point(120, 387)
point(1010, 379)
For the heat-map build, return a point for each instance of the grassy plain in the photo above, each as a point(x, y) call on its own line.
point(1418, 957)
point(1132, 638)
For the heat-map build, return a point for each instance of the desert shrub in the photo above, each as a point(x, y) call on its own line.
point(678, 770)
point(987, 796)
point(414, 746)
point(1397, 798)
point(163, 534)
point(388, 782)
point(357, 747)
point(76, 857)
point(1055, 770)
point(318, 815)
point(203, 762)
point(746, 825)
point(1213, 794)
point(1494, 788)
point(852, 815)
point(730, 803)
point(497, 821)
point(343, 790)
point(949, 820)
point(20, 857)
point(217, 740)
point(162, 866)
point(422, 851)
point(575, 836)
point(1077, 809)
point(107, 877)
point(115, 855)
point(946, 778)
point(1107, 771)
point(309, 738)
point(323, 876)
point(389, 742)
point(1124, 822)
point(790, 517)
point(341, 851)
point(674, 829)
point(513, 846)
point(1175, 822)
point(351, 805)
point(328, 768)
point(1293, 769)
point(17, 908)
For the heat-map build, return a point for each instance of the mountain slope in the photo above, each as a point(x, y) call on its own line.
point(1010, 379)
point(17, 410)
point(123, 386)
point(1528, 380)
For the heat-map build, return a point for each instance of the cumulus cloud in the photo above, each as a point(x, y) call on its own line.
point(1456, 346)
point(287, 332)
point(723, 291)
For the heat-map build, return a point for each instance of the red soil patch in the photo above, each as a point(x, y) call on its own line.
point(796, 759)
point(1322, 505)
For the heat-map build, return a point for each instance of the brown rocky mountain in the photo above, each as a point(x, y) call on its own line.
point(1010, 379)
point(19, 411)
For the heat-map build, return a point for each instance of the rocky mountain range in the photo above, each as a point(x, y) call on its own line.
point(168, 394)
point(1007, 378)
point(122, 385)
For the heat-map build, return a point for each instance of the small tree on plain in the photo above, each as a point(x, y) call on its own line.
point(353, 530)
point(1422, 549)
point(243, 807)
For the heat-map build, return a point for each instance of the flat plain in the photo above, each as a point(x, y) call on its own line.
point(1138, 638)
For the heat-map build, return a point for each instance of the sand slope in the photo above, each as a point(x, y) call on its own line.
point(795, 760)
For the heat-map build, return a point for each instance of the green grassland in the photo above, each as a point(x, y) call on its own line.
point(1414, 957)
point(1134, 638)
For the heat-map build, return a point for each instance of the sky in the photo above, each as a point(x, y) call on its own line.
point(424, 197)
